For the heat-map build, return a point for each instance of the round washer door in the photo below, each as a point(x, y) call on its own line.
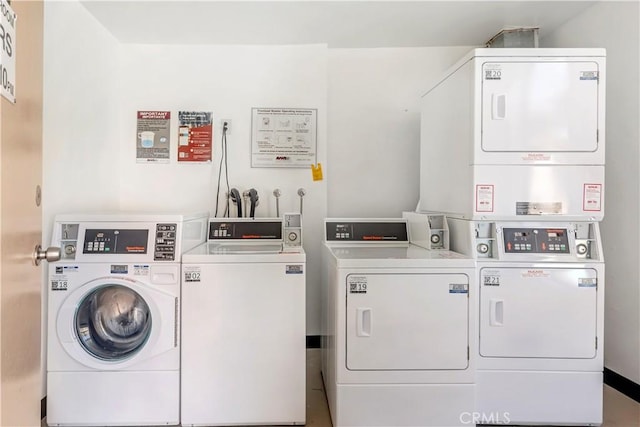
point(112, 323)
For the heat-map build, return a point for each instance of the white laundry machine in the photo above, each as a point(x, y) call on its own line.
point(502, 127)
point(113, 352)
point(243, 327)
point(541, 316)
point(398, 323)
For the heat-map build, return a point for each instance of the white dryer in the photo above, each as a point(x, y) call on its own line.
point(541, 320)
point(503, 127)
point(398, 323)
point(243, 327)
point(113, 313)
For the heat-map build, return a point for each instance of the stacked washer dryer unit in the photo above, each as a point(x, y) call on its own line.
point(243, 324)
point(113, 318)
point(517, 135)
point(397, 322)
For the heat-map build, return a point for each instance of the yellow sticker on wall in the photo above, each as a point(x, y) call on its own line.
point(316, 172)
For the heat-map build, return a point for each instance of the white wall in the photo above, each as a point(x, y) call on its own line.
point(368, 133)
point(80, 131)
point(615, 26)
point(374, 127)
point(227, 81)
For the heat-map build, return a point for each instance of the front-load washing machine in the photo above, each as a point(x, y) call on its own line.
point(113, 314)
point(243, 327)
point(398, 323)
point(541, 320)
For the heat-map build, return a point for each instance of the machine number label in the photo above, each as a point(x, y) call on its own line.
point(491, 280)
point(119, 269)
point(492, 74)
point(588, 75)
point(458, 288)
point(588, 282)
point(192, 275)
point(59, 285)
point(357, 285)
point(294, 269)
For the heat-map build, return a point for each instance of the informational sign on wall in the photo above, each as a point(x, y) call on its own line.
point(153, 136)
point(195, 136)
point(8, 20)
point(283, 137)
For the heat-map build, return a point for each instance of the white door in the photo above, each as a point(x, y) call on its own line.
point(540, 106)
point(113, 323)
point(407, 321)
point(21, 225)
point(538, 312)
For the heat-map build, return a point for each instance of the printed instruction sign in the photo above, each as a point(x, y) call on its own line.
point(153, 136)
point(195, 136)
point(484, 198)
point(283, 137)
point(8, 20)
point(592, 198)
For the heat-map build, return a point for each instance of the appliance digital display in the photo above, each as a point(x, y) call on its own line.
point(112, 241)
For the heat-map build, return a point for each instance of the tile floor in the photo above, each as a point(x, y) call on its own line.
point(619, 410)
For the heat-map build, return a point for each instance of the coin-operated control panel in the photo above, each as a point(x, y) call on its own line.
point(428, 230)
point(536, 240)
point(292, 232)
point(126, 241)
point(245, 230)
point(68, 240)
point(367, 231)
point(523, 241)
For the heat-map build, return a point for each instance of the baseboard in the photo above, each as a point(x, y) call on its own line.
point(622, 384)
point(313, 341)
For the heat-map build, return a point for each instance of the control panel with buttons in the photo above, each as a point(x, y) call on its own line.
point(115, 241)
point(165, 244)
point(366, 231)
point(536, 240)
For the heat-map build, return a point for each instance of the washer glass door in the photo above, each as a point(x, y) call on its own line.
point(113, 322)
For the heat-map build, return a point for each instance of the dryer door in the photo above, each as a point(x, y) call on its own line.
point(538, 312)
point(540, 106)
point(407, 321)
point(112, 323)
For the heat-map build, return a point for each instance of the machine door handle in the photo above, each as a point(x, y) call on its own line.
point(51, 254)
point(496, 312)
point(499, 106)
point(363, 322)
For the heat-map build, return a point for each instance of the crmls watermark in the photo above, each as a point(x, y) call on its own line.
point(473, 418)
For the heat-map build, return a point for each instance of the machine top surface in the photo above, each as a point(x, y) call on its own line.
point(391, 257)
point(216, 252)
point(536, 52)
